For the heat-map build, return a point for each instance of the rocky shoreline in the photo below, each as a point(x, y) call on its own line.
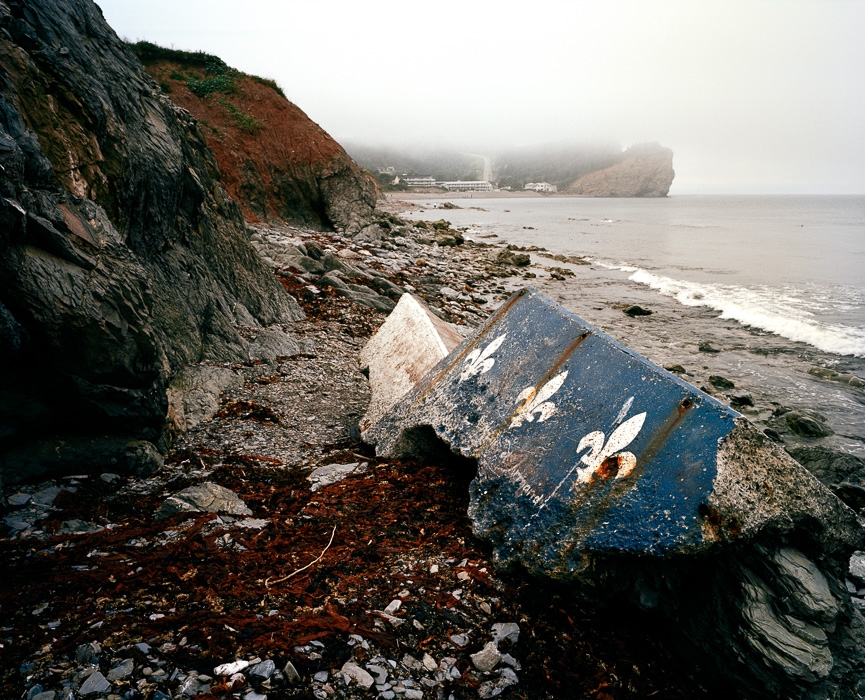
point(340, 574)
point(314, 593)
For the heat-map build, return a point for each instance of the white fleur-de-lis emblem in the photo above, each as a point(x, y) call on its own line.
point(600, 451)
point(478, 362)
point(534, 401)
point(622, 437)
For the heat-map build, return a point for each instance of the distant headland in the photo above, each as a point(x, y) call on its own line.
point(607, 170)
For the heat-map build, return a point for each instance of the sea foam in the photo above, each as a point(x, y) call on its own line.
point(777, 310)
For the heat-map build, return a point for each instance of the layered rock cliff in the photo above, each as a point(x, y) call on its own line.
point(273, 158)
point(121, 254)
point(645, 170)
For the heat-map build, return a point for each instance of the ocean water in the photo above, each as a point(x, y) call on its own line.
point(779, 281)
point(794, 266)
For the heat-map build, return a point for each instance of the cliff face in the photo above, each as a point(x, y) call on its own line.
point(121, 255)
point(645, 170)
point(273, 158)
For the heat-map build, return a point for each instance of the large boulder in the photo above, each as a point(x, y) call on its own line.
point(121, 256)
point(599, 469)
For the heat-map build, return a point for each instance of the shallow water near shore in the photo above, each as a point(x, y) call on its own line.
point(777, 283)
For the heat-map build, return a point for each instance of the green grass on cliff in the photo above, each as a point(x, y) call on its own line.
point(218, 76)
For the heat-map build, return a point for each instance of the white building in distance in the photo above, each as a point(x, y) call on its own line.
point(467, 186)
point(420, 181)
point(540, 187)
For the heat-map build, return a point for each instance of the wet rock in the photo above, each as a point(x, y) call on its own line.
point(840, 377)
point(561, 273)
point(509, 257)
point(676, 369)
point(449, 239)
point(635, 310)
point(809, 426)
point(203, 498)
point(191, 687)
point(46, 496)
point(706, 346)
point(721, 382)
point(401, 352)
point(741, 401)
point(830, 466)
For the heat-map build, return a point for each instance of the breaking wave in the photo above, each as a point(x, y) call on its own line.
point(784, 312)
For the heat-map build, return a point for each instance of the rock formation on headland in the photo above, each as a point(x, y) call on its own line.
point(273, 159)
point(121, 255)
point(645, 170)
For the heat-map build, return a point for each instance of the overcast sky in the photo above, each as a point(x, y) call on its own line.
point(751, 95)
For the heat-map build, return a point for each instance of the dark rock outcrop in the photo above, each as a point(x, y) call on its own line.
point(645, 170)
point(121, 255)
point(274, 160)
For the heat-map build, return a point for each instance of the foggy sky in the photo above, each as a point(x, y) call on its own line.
point(751, 95)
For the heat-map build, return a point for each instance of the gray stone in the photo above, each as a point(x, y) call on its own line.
point(271, 344)
point(506, 631)
point(122, 670)
point(857, 567)
point(87, 651)
point(261, 671)
point(331, 473)
point(459, 640)
point(47, 695)
point(290, 672)
point(19, 499)
point(332, 279)
point(193, 394)
point(78, 527)
point(19, 522)
point(487, 658)
point(356, 674)
point(494, 688)
point(320, 677)
point(94, 684)
point(366, 297)
point(203, 498)
point(46, 496)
